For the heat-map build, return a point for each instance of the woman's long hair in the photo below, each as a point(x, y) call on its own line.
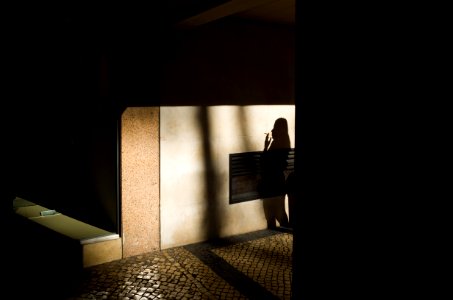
point(280, 135)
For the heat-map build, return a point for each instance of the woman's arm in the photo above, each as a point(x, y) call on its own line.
point(267, 141)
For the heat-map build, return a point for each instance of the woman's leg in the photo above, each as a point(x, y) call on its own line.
point(280, 214)
point(269, 212)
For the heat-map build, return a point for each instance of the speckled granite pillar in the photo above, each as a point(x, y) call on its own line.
point(140, 180)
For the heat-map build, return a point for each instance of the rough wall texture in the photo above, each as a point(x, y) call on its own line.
point(140, 180)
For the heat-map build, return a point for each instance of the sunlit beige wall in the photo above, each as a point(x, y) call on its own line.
point(195, 143)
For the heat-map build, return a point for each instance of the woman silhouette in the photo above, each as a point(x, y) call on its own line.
point(272, 180)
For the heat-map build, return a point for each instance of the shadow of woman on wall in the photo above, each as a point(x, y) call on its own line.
point(272, 184)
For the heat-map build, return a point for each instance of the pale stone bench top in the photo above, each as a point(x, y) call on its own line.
point(61, 223)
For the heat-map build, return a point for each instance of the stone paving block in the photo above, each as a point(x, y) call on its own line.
point(267, 261)
point(178, 273)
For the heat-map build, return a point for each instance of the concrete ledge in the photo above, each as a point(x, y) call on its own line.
point(99, 239)
point(101, 252)
point(96, 246)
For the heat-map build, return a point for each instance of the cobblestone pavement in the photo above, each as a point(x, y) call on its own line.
point(256, 265)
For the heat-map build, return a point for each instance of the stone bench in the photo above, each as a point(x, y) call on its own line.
point(91, 245)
